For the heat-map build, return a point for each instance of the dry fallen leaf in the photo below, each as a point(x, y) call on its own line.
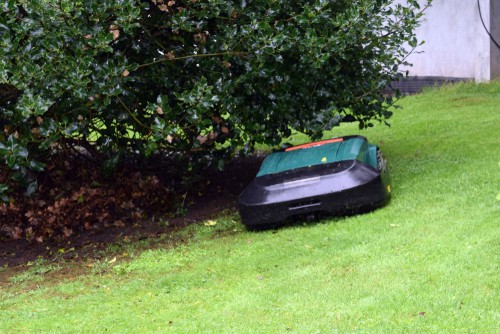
point(114, 30)
point(17, 233)
point(118, 223)
point(211, 223)
point(212, 136)
point(202, 139)
point(200, 38)
point(67, 231)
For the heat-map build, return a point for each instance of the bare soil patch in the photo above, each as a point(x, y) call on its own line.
point(78, 212)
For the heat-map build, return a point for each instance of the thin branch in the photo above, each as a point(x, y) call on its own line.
point(401, 18)
point(154, 39)
point(132, 115)
point(203, 55)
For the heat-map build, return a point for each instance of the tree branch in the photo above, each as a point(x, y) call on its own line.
point(203, 55)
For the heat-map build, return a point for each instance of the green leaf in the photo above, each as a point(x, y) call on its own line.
point(132, 78)
point(31, 189)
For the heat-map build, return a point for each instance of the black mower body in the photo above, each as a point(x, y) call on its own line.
point(338, 176)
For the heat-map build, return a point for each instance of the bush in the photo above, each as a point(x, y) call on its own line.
point(194, 79)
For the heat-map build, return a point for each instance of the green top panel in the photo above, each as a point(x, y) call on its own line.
point(318, 153)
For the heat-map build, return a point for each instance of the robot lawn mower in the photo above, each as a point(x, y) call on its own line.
point(337, 176)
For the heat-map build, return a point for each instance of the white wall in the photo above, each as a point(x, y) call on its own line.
point(456, 44)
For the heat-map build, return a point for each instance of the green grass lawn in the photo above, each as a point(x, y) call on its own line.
point(426, 263)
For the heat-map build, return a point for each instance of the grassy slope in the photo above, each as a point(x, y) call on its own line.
point(428, 262)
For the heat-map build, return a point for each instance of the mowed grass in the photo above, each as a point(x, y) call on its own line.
point(426, 263)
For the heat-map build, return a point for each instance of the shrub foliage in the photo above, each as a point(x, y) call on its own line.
point(194, 79)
